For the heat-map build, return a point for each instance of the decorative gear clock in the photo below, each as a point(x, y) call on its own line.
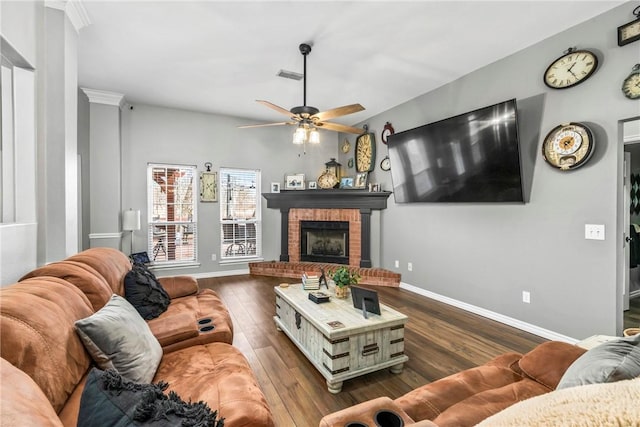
point(365, 151)
point(568, 146)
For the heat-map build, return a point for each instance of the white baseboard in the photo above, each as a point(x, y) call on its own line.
point(510, 321)
point(220, 273)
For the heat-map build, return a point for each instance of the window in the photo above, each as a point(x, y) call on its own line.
point(173, 232)
point(17, 137)
point(240, 217)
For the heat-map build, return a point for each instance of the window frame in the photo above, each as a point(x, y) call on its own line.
point(240, 235)
point(161, 228)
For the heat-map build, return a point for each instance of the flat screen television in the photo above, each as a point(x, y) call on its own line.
point(472, 157)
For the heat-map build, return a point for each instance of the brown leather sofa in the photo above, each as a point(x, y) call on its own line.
point(100, 272)
point(470, 396)
point(44, 365)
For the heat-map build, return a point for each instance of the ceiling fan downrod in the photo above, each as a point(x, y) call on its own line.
point(304, 109)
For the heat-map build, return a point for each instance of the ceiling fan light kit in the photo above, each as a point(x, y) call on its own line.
point(309, 119)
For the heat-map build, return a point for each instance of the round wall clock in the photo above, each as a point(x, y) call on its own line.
point(386, 131)
point(385, 164)
point(572, 68)
point(365, 152)
point(568, 146)
point(631, 85)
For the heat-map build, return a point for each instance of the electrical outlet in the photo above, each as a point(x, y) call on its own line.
point(410, 266)
point(214, 257)
point(397, 264)
point(526, 297)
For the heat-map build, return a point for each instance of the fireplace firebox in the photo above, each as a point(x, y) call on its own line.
point(324, 241)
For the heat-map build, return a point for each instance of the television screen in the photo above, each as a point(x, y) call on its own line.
point(472, 157)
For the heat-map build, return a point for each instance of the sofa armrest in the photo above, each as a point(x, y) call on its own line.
point(175, 328)
point(365, 413)
point(547, 363)
point(179, 286)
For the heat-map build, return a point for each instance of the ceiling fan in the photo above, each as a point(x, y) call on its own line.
point(308, 117)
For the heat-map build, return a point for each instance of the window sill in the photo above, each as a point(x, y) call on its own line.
point(174, 266)
point(240, 260)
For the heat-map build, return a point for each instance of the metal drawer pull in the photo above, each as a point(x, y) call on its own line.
point(370, 349)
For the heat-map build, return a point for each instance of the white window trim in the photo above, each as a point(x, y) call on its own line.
point(174, 264)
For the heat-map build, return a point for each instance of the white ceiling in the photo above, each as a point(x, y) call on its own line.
point(221, 56)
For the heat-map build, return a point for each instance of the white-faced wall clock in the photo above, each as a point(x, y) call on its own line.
point(208, 186)
point(572, 68)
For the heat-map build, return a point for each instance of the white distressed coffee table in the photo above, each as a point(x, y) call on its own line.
point(354, 347)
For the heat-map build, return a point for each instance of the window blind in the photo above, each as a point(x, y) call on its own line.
point(172, 235)
point(240, 214)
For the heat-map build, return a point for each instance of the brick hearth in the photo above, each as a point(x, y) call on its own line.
point(294, 270)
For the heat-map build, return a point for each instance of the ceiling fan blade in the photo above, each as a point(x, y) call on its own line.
point(266, 124)
point(337, 112)
point(340, 128)
point(275, 107)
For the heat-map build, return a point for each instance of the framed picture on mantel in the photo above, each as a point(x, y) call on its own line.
point(294, 181)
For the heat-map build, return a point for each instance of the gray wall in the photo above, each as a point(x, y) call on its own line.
point(485, 255)
point(162, 135)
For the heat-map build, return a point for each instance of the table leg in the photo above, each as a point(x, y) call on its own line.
point(396, 369)
point(334, 388)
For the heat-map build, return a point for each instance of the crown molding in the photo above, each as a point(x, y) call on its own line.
point(74, 9)
point(103, 97)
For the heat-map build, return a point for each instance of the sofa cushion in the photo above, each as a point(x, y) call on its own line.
point(430, 400)
point(110, 400)
point(174, 328)
point(37, 334)
point(145, 293)
point(220, 375)
point(85, 277)
point(118, 338)
point(476, 408)
point(548, 362)
point(22, 401)
point(110, 263)
point(609, 362)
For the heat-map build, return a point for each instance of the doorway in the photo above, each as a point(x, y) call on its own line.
point(631, 225)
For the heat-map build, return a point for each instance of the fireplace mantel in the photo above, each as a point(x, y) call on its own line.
point(363, 200)
point(327, 199)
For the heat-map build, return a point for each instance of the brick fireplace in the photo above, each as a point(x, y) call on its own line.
point(351, 216)
point(352, 206)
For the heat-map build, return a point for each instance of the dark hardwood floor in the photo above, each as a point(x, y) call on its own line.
point(439, 340)
point(632, 316)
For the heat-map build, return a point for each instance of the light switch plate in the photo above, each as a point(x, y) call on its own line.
point(594, 231)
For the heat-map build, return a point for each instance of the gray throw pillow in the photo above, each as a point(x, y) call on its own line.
point(609, 362)
point(118, 338)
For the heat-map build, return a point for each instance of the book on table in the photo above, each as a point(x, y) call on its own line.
point(310, 281)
